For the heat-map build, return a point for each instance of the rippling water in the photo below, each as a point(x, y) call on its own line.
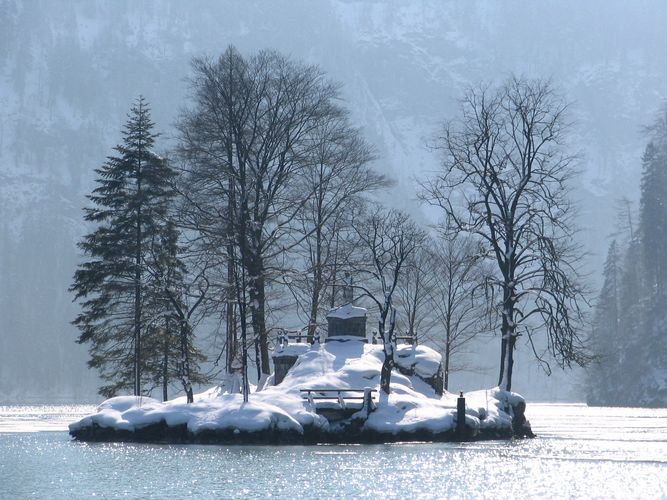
point(581, 452)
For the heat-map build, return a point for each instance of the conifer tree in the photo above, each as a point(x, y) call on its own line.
point(605, 333)
point(119, 303)
point(653, 213)
point(648, 350)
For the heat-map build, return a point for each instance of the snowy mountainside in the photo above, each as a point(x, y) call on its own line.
point(70, 69)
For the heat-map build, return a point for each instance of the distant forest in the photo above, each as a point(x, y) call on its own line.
point(629, 333)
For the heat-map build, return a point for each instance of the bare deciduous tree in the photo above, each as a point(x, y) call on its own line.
point(443, 296)
point(336, 178)
point(458, 298)
point(505, 179)
point(388, 239)
point(251, 132)
point(415, 291)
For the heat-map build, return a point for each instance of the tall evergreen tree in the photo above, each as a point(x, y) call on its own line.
point(119, 303)
point(606, 328)
point(653, 211)
point(649, 353)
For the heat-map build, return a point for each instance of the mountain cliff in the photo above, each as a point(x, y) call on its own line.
point(70, 69)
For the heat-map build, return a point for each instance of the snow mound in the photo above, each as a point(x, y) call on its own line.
point(421, 360)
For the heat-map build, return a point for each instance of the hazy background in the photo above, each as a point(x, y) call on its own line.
point(69, 71)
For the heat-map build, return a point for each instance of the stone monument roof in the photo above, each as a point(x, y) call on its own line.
point(347, 311)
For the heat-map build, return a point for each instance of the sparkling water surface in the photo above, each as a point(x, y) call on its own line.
point(581, 452)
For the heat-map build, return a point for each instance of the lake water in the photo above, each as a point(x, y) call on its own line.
point(581, 452)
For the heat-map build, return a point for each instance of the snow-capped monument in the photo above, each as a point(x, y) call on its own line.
point(346, 321)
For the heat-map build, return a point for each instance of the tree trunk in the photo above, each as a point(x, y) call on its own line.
point(242, 284)
point(508, 339)
point(257, 311)
point(230, 316)
point(230, 324)
point(446, 381)
point(314, 306)
point(448, 353)
point(312, 322)
point(137, 291)
point(413, 312)
point(165, 366)
point(240, 293)
point(503, 351)
point(385, 374)
point(185, 360)
point(510, 363)
point(258, 363)
point(317, 286)
point(230, 319)
point(388, 348)
point(448, 334)
point(137, 333)
point(334, 275)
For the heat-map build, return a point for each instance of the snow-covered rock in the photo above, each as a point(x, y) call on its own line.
point(422, 360)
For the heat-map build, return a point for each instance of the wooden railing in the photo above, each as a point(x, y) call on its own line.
point(286, 337)
point(408, 339)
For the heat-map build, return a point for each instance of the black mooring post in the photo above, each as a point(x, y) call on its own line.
point(460, 414)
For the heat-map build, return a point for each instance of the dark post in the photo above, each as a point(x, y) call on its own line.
point(460, 414)
point(369, 405)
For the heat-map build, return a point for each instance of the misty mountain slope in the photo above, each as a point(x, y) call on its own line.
point(70, 69)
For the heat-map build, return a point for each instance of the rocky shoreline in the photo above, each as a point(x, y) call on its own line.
point(329, 394)
point(344, 432)
point(162, 433)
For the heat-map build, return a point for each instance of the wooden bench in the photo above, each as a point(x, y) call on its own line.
point(365, 395)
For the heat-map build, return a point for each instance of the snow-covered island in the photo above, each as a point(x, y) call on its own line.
point(329, 395)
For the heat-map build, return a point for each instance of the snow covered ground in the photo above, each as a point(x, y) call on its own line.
point(413, 405)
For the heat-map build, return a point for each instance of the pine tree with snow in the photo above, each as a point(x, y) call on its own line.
point(120, 306)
